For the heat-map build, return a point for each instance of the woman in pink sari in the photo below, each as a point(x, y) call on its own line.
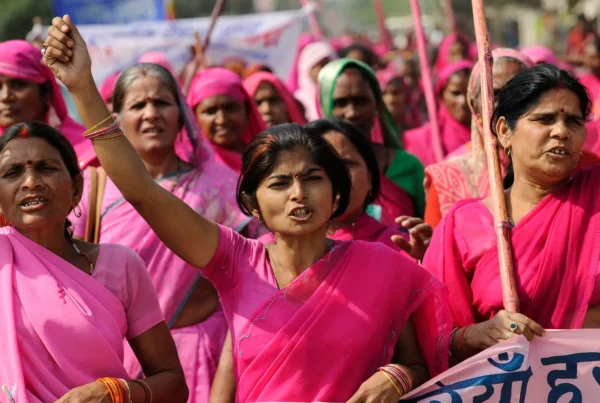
point(355, 224)
point(67, 305)
point(158, 129)
point(312, 59)
point(464, 175)
point(226, 114)
point(274, 101)
point(554, 217)
point(454, 117)
point(107, 89)
point(296, 304)
point(29, 92)
point(591, 61)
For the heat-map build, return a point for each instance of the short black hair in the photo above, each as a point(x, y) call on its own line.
point(362, 144)
point(260, 156)
point(52, 137)
point(370, 56)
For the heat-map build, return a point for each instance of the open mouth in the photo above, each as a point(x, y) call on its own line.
point(300, 213)
point(33, 204)
point(559, 151)
point(152, 130)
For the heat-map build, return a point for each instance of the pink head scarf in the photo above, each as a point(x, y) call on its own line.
point(444, 50)
point(540, 54)
point(160, 59)
point(307, 89)
point(303, 41)
point(219, 81)
point(449, 71)
point(252, 83)
point(21, 60)
point(107, 88)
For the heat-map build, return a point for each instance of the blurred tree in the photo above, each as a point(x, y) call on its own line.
point(16, 18)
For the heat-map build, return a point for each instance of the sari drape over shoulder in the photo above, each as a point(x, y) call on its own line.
point(302, 342)
point(62, 328)
point(556, 251)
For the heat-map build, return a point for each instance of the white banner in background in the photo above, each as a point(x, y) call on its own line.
point(269, 38)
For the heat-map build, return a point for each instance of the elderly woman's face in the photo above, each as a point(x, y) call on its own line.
point(36, 189)
point(547, 142)
point(20, 101)
point(150, 116)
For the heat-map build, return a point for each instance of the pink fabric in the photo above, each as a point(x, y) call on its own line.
point(218, 81)
point(592, 141)
point(252, 83)
point(394, 202)
point(61, 327)
point(552, 368)
point(307, 92)
point(209, 191)
point(556, 250)
point(304, 40)
point(107, 89)
point(453, 134)
point(21, 60)
point(283, 339)
point(540, 55)
point(592, 83)
point(160, 59)
point(441, 60)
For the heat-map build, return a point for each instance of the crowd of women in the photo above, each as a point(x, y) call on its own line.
point(256, 239)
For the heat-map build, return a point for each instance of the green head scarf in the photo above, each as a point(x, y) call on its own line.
point(328, 79)
point(406, 170)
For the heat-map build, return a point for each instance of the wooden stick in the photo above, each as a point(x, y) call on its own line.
point(314, 22)
point(505, 258)
point(427, 81)
point(217, 10)
point(450, 19)
point(384, 34)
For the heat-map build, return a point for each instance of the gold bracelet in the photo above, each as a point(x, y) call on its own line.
point(393, 383)
point(108, 118)
point(108, 136)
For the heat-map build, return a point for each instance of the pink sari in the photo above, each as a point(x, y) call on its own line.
point(21, 60)
point(210, 191)
point(300, 343)
point(443, 56)
point(592, 83)
point(453, 134)
point(219, 81)
point(394, 202)
point(556, 250)
point(63, 328)
point(252, 83)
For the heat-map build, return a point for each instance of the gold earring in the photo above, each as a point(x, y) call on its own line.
point(77, 211)
point(507, 151)
point(330, 231)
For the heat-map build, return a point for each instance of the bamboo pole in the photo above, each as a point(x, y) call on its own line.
point(450, 19)
point(384, 34)
point(314, 22)
point(427, 81)
point(216, 12)
point(501, 223)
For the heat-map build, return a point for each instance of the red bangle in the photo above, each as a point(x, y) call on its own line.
point(461, 337)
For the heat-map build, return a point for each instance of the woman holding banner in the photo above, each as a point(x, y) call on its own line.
point(297, 286)
point(348, 89)
point(554, 212)
point(226, 114)
point(274, 101)
point(163, 132)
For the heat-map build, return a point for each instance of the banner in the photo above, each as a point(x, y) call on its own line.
point(110, 11)
point(562, 366)
point(268, 38)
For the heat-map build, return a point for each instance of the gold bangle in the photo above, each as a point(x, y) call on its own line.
point(108, 136)
point(109, 117)
point(393, 383)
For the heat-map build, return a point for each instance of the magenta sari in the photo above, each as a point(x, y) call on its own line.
point(321, 336)
point(62, 328)
point(556, 250)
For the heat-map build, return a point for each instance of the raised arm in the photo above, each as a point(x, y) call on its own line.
point(186, 233)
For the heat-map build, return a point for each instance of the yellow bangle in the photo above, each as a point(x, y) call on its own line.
point(393, 383)
point(106, 120)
